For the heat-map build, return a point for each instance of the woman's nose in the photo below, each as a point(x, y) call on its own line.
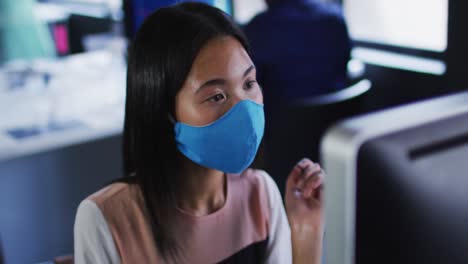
point(239, 96)
point(236, 99)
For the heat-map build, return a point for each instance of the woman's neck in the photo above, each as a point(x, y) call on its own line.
point(203, 190)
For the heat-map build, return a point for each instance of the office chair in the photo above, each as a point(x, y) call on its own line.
point(296, 129)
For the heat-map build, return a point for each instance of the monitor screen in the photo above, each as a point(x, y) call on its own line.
point(415, 24)
point(137, 10)
point(245, 10)
point(396, 185)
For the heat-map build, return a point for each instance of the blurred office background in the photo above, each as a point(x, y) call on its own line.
point(62, 93)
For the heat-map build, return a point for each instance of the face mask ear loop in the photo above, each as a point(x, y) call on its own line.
point(171, 119)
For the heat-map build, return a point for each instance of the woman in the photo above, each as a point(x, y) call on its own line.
point(193, 124)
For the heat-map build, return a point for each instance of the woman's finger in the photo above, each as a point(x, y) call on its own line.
point(307, 173)
point(319, 193)
point(303, 163)
point(296, 176)
point(313, 183)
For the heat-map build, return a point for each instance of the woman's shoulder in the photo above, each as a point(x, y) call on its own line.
point(110, 192)
point(259, 179)
point(258, 184)
point(91, 213)
point(97, 218)
point(114, 198)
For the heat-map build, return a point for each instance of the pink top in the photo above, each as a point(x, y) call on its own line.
point(112, 226)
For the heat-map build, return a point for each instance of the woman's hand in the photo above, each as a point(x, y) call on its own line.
point(304, 206)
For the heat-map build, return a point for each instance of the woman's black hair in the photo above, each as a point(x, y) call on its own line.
point(159, 60)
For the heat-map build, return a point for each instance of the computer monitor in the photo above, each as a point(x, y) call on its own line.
point(136, 11)
point(397, 185)
point(245, 10)
point(403, 35)
point(415, 24)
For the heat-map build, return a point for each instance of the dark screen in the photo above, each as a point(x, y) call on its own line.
point(412, 195)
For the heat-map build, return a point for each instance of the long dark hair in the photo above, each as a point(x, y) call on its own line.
point(159, 60)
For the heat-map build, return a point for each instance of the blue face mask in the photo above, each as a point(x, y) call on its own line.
point(230, 143)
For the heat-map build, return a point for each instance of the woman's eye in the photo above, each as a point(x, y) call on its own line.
point(217, 98)
point(250, 84)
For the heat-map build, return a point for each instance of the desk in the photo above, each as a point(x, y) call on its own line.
point(82, 89)
point(44, 177)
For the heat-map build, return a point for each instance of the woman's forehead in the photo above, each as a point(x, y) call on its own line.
point(222, 57)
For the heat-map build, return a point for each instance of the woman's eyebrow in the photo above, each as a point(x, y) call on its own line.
point(249, 70)
point(214, 82)
point(220, 82)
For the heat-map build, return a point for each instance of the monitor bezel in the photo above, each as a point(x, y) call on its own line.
point(339, 153)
